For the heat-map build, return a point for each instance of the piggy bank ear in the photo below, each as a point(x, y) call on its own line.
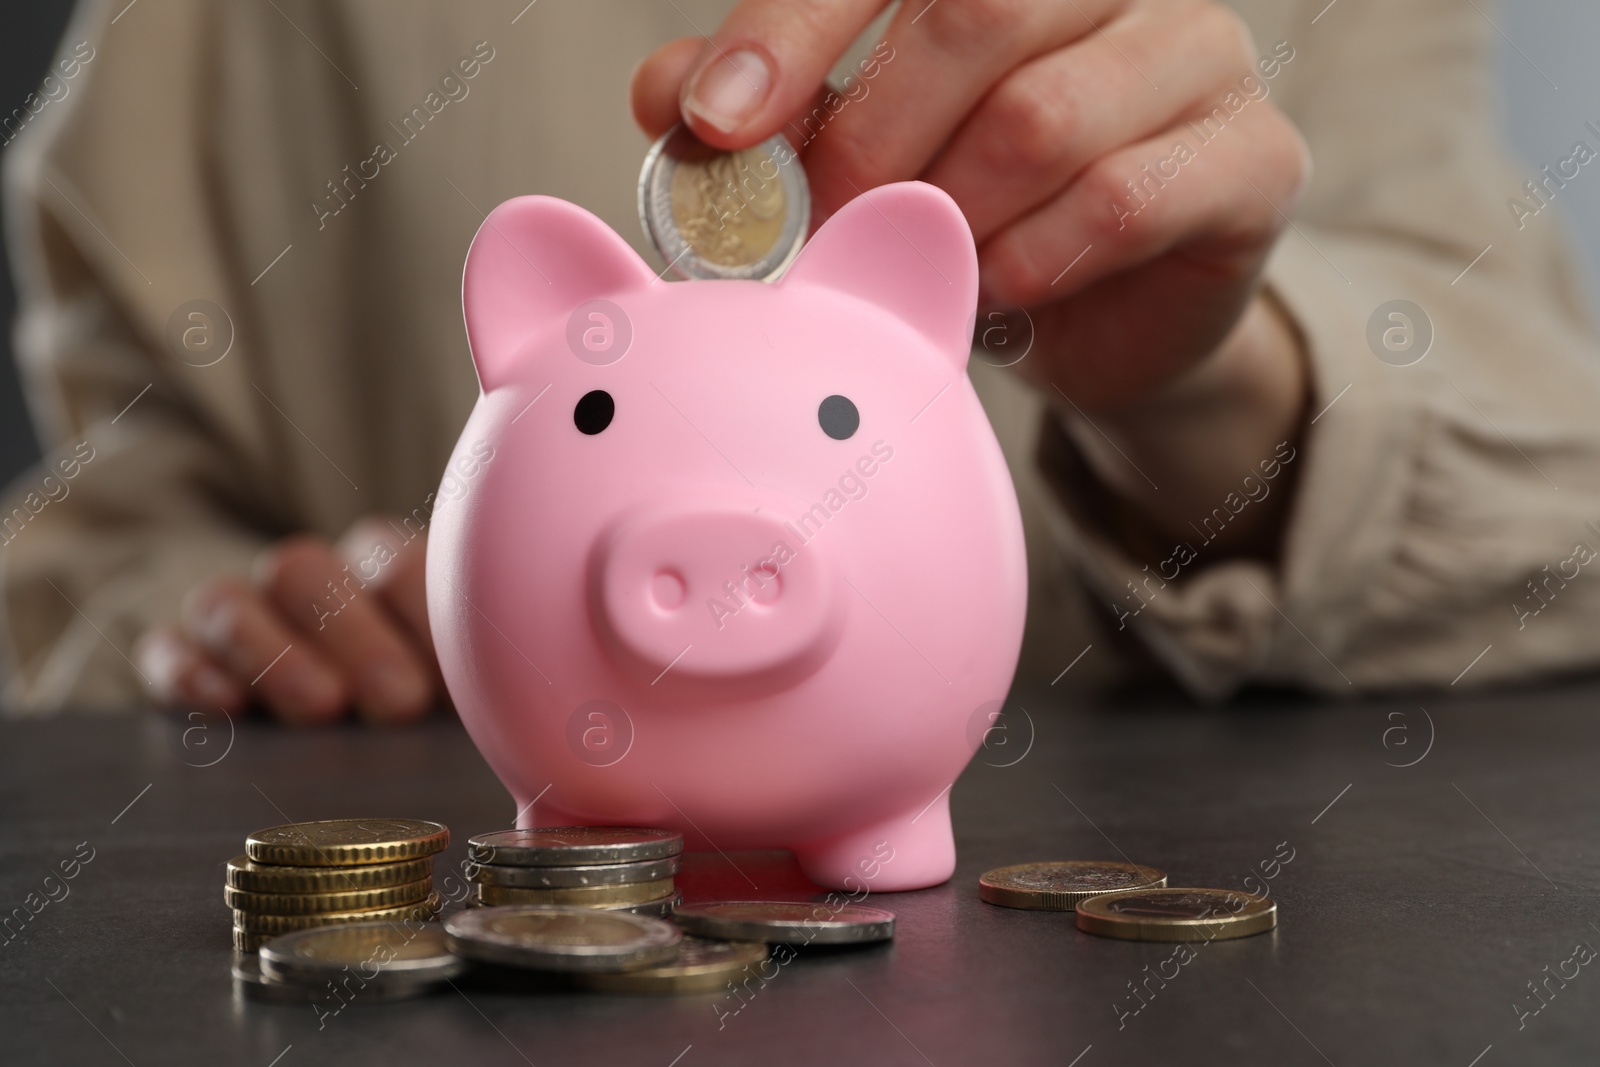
point(533, 261)
point(907, 248)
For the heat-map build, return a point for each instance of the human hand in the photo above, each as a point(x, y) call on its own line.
point(319, 630)
point(1123, 170)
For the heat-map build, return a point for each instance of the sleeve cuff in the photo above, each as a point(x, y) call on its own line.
point(1216, 625)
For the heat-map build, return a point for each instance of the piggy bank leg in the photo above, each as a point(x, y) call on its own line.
point(913, 850)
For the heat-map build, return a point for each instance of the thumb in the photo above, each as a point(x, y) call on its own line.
point(764, 64)
point(657, 84)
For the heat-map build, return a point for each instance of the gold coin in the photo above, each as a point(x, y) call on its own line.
point(246, 941)
point(1059, 885)
point(315, 903)
point(701, 966)
point(582, 896)
point(267, 878)
point(282, 924)
point(1177, 915)
point(346, 842)
point(727, 210)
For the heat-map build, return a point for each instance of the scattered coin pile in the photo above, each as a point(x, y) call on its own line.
point(583, 905)
point(340, 871)
point(615, 951)
point(588, 903)
point(1128, 901)
point(608, 868)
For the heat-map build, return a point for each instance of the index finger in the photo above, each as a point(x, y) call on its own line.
point(764, 64)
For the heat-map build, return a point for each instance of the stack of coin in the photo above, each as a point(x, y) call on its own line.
point(610, 868)
point(333, 872)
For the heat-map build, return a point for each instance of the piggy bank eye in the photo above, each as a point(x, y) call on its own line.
point(838, 417)
point(594, 411)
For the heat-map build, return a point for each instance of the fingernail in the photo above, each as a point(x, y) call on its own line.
point(729, 90)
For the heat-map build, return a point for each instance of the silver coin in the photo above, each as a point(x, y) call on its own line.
point(249, 981)
point(661, 907)
point(786, 922)
point(716, 214)
point(390, 956)
point(574, 877)
point(561, 939)
point(573, 846)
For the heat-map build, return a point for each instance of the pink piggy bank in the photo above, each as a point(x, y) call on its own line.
point(734, 558)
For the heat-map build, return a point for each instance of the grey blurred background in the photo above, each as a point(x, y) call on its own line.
point(1550, 86)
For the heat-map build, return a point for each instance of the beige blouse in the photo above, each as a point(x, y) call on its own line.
point(239, 231)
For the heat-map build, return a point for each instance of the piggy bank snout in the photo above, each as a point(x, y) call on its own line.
point(716, 593)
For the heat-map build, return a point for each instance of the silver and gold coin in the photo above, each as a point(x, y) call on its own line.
point(1177, 914)
point(583, 897)
point(561, 939)
point(701, 966)
point(786, 922)
point(253, 877)
point(382, 955)
point(573, 846)
point(256, 923)
point(316, 903)
point(346, 842)
point(1058, 885)
point(717, 214)
point(594, 874)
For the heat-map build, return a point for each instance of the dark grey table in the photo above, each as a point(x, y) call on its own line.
point(1420, 908)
